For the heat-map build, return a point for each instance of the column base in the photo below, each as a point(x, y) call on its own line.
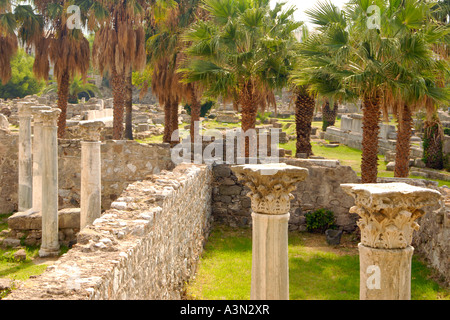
point(47, 252)
point(385, 274)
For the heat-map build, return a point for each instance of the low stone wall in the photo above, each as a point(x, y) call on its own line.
point(321, 189)
point(145, 247)
point(9, 149)
point(432, 240)
point(123, 162)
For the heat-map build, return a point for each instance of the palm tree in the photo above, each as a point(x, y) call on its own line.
point(165, 53)
point(348, 61)
point(129, 107)
point(67, 49)
point(22, 24)
point(413, 70)
point(304, 112)
point(240, 54)
point(328, 114)
point(119, 45)
point(305, 102)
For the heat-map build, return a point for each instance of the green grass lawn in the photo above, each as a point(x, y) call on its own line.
point(19, 270)
point(317, 271)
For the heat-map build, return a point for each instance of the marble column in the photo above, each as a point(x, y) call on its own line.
point(37, 161)
point(270, 186)
point(25, 158)
point(91, 189)
point(49, 156)
point(388, 212)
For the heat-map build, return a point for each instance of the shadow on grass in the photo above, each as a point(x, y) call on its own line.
point(315, 273)
point(323, 276)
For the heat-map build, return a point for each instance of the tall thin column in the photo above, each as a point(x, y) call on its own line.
point(37, 161)
point(270, 186)
point(25, 158)
point(91, 189)
point(388, 212)
point(49, 148)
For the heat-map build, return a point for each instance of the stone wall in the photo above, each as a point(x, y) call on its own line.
point(321, 189)
point(9, 178)
point(122, 163)
point(350, 134)
point(432, 240)
point(145, 247)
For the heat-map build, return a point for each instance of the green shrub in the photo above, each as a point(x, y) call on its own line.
point(204, 108)
point(263, 116)
point(22, 82)
point(447, 131)
point(320, 220)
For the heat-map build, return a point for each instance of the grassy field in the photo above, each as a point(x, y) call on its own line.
point(317, 271)
point(20, 270)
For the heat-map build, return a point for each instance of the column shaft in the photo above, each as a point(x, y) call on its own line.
point(90, 200)
point(270, 261)
point(50, 243)
point(385, 274)
point(25, 164)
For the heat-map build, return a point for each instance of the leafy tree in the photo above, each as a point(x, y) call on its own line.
point(22, 82)
point(17, 22)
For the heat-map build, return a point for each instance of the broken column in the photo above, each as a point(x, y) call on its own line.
point(270, 186)
point(37, 161)
point(91, 189)
point(388, 212)
point(25, 158)
point(49, 156)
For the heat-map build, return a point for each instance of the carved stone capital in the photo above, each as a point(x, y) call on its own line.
point(388, 212)
point(35, 111)
point(270, 185)
point(48, 117)
point(90, 130)
point(25, 110)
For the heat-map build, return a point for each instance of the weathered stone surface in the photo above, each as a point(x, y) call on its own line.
point(270, 185)
point(20, 255)
point(146, 251)
point(122, 163)
point(388, 212)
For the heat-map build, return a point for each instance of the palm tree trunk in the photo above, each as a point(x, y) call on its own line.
point(328, 115)
point(63, 96)
point(167, 122)
point(174, 121)
point(432, 143)
point(118, 86)
point(195, 112)
point(129, 107)
point(402, 148)
point(371, 129)
point(304, 112)
point(248, 110)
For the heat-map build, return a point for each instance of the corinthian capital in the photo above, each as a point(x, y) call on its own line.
point(388, 212)
point(270, 185)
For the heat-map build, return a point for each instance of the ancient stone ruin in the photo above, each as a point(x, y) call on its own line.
point(136, 222)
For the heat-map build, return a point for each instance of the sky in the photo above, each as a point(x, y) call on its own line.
point(303, 5)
